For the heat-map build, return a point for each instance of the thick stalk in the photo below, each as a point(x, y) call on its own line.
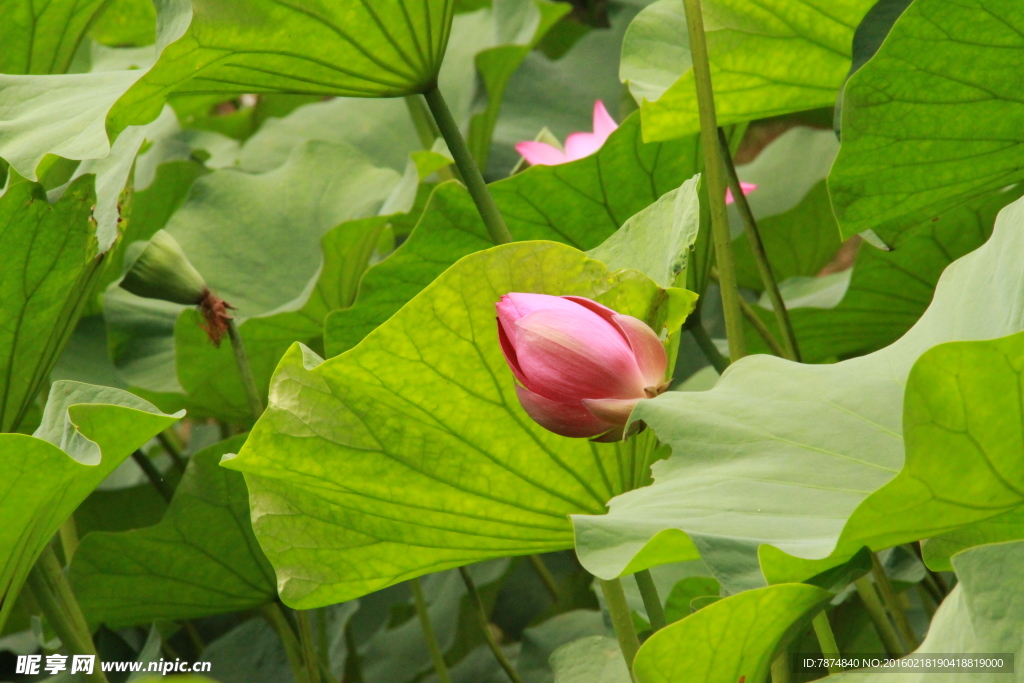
point(426, 129)
point(756, 322)
point(546, 577)
point(309, 657)
point(467, 167)
point(440, 668)
point(69, 538)
point(892, 604)
point(764, 267)
point(245, 371)
point(485, 625)
point(323, 647)
point(50, 588)
point(173, 450)
point(876, 611)
point(707, 346)
point(275, 616)
point(622, 619)
point(781, 671)
point(652, 601)
point(193, 635)
point(153, 474)
point(826, 639)
point(715, 180)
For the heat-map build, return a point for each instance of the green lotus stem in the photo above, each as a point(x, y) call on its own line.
point(826, 639)
point(309, 657)
point(173, 450)
point(440, 668)
point(622, 619)
point(892, 604)
point(153, 474)
point(755, 321)
point(426, 129)
point(467, 167)
point(707, 346)
point(69, 538)
point(546, 577)
point(485, 625)
point(193, 635)
point(275, 616)
point(781, 671)
point(652, 601)
point(764, 267)
point(323, 647)
point(876, 611)
point(245, 370)
point(716, 180)
point(50, 588)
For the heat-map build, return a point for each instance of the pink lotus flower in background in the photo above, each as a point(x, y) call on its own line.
point(577, 145)
point(746, 187)
point(581, 367)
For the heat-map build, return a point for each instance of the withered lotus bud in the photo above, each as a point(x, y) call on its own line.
point(159, 269)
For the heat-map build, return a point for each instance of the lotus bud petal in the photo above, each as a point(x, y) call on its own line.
point(159, 269)
point(580, 367)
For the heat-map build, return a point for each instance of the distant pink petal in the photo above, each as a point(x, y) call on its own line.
point(746, 187)
point(604, 124)
point(541, 153)
point(579, 145)
point(647, 348)
point(572, 420)
point(613, 410)
point(569, 356)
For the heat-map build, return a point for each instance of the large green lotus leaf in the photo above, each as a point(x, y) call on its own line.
point(65, 114)
point(449, 229)
point(410, 453)
point(201, 559)
point(981, 615)
point(889, 290)
point(580, 203)
point(730, 640)
point(777, 57)
point(62, 115)
point(594, 659)
point(348, 48)
point(86, 432)
point(782, 454)
point(931, 120)
point(655, 50)
point(40, 36)
point(963, 423)
point(125, 23)
point(938, 550)
point(382, 128)
point(50, 266)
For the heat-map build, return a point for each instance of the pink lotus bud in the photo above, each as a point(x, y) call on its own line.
point(581, 367)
